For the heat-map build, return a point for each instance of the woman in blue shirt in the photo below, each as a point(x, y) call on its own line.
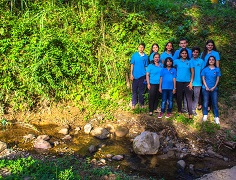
point(184, 79)
point(210, 78)
point(168, 52)
point(154, 49)
point(153, 81)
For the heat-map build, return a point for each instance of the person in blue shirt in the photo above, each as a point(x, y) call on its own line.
point(198, 65)
point(153, 81)
point(210, 78)
point(183, 43)
point(154, 49)
point(167, 86)
point(139, 62)
point(210, 50)
point(168, 52)
point(184, 79)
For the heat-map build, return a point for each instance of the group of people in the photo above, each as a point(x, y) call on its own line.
point(190, 75)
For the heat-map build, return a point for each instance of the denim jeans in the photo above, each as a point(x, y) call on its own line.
point(154, 96)
point(214, 99)
point(138, 88)
point(167, 95)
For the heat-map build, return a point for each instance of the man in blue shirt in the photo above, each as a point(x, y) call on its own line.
point(139, 62)
point(183, 43)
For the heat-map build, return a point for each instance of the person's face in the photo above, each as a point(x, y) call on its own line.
point(195, 53)
point(184, 54)
point(211, 61)
point(141, 48)
point(209, 46)
point(169, 47)
point(183, 44)
point(168, 63)
point(155, 48)
point(156, 58)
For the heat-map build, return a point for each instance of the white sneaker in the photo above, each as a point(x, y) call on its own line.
point(204, 118)
point(217, 120)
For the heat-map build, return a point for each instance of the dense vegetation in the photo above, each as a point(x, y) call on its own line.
point(79, 51)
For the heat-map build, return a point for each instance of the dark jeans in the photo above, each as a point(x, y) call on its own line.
point(154, 96)
point(138, 88)
point(184, 91)
point(214, 99)
point(167, 95)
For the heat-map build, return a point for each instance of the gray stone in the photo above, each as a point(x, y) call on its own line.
point(87, 128)
point(118, 157)
point(92, 149)
point(100, 133)
point(146, 143)
point(29, 137)
point(41, 144)
point(181, 164)
point(3, 146)
point(121, 131)
point(66, 137)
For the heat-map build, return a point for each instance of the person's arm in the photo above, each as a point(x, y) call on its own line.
point(218, 64)
point(204, 82)
point(174, 81)
point(148, 80)
point(217, 81)
point(160, 85)
point(131, 72)
point(191, 81)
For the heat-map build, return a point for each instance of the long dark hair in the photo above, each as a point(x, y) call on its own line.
point(207, 64)
point(165, 62)
point(184, 49)
point(154, 44)
point(204, 53)
point(172, 51)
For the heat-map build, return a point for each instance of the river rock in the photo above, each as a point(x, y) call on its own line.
point(146, 143)
point(64, 131)
point(87, 128)
point(66, 137)
point(121, 131)
point(43, 137)
point(118, 157)
point(181, 164)
point(28, 137)
point(100, 133)
point(41, 144)
point(3, 146)
point(92, 149)
point(110, 128)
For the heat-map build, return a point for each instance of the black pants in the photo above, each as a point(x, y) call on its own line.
point(154, 96)
point(183, 90)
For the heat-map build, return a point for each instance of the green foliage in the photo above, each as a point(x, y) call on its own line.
point(79, 51)
point(208, 127)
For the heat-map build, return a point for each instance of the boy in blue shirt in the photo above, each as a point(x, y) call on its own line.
point(183, 43)
point(139, 62)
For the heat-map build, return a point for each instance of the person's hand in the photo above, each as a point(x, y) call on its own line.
point(207, 89)
point(174, 91)
point(212, 89)
point(160, 90)
point(148, 86)
point(190, 86)
point(131, 77)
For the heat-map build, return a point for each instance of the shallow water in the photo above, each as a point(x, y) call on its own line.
point(147, 166)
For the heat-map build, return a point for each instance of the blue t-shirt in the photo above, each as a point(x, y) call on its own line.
point(167, 78)
point(183, 70)
point(139, 62)
point(212, 53)
point(198, 64)
point(154, 73)
point(164, 55)
point(151, 56)
point(210, 76)
point(176, 55)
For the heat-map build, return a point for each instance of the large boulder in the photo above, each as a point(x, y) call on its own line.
point(146, 143)
point(100, 133)
point(42, 144)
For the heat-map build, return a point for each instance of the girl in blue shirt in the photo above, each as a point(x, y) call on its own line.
point(154, 49)
point(210, 78)
point(167, 86)
point(153, 81)
point(168, 52)
point(184, 79)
